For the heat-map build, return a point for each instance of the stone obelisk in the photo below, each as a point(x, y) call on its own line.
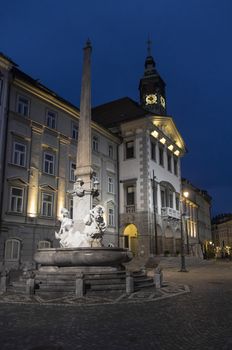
point(83, 204)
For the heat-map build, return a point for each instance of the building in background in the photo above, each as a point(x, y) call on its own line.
point(198, 219)
point(222, 235)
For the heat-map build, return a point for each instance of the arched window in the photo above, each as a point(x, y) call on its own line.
point(12, 250)
point(44, 244)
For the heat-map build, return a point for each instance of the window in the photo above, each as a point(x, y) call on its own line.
point(12, 249)
point(75, 130)
point(169, 161)
point(111, 151)
point(175, 162)
point(44, 244)
point(49, 163)
point(161, 156)
point(129, 149)
point(130, 195)
point(153, 151)
point(95, 143)
point(177, 202)
point(47, 205)
point(51, 119)
point(72, 168)
point(19, 154)
point(1, 90)
point(16, 200)
point(23, 106)
point(110, 184)
point(163, 198)
point(111, 217)
point(171, 200)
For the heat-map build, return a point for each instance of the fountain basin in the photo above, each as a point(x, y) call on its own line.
point(97, 256)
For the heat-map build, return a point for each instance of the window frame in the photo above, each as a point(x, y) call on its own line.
point(72, 176)
point(14, 151)
point(17, 197)
point(111, 216)
point(44, 241)
point(12, 240)
point(75, 131)
point(153, 150)
point(44, 193)
point(169, 161)
point(53, 116)
point(21, 106)
point(49, 163)
point(128, 153)
point(111, 184)
point(95, 143)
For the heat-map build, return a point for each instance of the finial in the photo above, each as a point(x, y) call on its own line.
point(88, 44)
point(149, 43)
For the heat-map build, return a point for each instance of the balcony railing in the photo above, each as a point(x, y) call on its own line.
point(170, 212)
point(130, 209)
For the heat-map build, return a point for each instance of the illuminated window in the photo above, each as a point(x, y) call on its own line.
point(19, 154)
point(49, 163)
point(51, 119)
point(47, 205)
point(72, 168)
point(75, 130)
point(95, 143)
point(12, 249)
point(110, 184)
point(16, 200)
point(23, 106)
point(130, 149)
point(44, 244)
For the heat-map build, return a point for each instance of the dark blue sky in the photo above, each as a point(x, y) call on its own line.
point(192, 49)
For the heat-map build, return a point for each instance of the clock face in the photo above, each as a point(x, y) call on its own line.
point(151, 99)
point(162, 101)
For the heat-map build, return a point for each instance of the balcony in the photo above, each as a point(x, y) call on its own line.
point(130, 209)
point(167, 212)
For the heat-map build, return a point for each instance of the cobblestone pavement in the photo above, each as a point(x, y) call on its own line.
point(201, 319)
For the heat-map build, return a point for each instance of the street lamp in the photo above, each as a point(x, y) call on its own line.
point(184, 194)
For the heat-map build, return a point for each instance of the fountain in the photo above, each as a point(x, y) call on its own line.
point(81, 239)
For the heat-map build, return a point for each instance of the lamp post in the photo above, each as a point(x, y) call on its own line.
point(184, 194)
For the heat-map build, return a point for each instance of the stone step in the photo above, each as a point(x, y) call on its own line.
point(102, 287)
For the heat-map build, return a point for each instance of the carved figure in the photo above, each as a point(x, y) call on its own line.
point(95, 225)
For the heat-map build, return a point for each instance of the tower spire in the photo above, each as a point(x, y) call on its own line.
point(149, 44)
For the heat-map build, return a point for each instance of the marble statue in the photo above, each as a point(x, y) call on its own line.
point(92, 235)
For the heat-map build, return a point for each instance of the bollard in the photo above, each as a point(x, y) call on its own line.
point(30, 286)
point(158, 278)
point(129, 282)
point(80, 286)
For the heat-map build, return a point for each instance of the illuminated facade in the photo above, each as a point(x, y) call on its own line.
point(39, 133)
point(222, 235)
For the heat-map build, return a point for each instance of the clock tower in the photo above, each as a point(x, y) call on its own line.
point(152, 87)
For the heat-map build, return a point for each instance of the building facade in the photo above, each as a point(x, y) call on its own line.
point(222, 235)
point(38, 159)
point(197, 208)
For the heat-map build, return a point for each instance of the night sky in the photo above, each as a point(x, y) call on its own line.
point(191, 44)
